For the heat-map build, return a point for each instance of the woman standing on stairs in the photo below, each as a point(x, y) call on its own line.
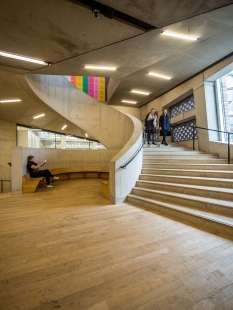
point(164, 126)
point(150, 124)
point(35, 173)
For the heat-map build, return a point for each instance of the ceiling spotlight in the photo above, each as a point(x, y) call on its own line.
point(40, 115)
point(96, 12)
point(139, 92)
point(160, 75)
point(100, 67)
point(64, 127)
point(177, 35)
point(41, 62)
point(10, 100)
point(127, 101)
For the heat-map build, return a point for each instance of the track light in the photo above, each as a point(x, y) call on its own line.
point(37, 61)
point(10, 100)
point(40, 115)
point(177, 35)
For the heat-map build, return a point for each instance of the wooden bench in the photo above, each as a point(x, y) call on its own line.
point(83, 172)
point(30, 184)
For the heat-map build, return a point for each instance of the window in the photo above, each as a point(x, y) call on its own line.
point(225, 101)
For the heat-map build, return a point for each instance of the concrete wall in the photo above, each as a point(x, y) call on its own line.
point(7, 140)
point(112, 128)
point(131, 111)
point(55, 159)
point(204, 97)
point(123, 180)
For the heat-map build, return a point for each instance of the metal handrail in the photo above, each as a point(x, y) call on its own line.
point(123, 167)
point(1, 191)
point(229, 142)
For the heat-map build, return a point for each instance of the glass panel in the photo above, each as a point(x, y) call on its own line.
point(225, 98)
point(38, 138)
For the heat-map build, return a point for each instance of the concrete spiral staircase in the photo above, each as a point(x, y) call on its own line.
point(188, 185)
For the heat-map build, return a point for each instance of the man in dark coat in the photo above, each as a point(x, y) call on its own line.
point(164, 126)
point(150, 125)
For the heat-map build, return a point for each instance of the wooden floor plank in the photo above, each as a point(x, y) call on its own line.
point(69, 248)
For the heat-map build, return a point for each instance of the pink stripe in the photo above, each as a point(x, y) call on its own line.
point(91, 86)
point(97, 88)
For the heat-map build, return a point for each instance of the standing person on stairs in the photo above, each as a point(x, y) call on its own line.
point(149, 125)
point(164, 126)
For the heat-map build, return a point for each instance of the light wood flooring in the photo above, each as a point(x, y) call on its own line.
point(69, 248)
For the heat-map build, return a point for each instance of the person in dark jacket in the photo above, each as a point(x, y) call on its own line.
point(35, 173)
point(150, 123)
point(164, 126)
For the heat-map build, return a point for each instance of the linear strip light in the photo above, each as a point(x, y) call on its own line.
point(64, 127)
point(86, 134)
point(100, 67)
point(177, 35)
point(40, 115)
point(160, 75)
point(11, 100)
point(41, 62)
point(127, 101)
point(139, 92)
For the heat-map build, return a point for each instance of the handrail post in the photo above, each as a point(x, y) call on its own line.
point(229, 151)
point(193, 139)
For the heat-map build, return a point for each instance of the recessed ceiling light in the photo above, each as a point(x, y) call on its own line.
point(41, 62)
point(64, 127)
point(139, 92)
point(40, 115)
point(127, 101)
point(10, 100)
point(86, 134)
point(177, 35)
point(100, 67)
point(160, 75)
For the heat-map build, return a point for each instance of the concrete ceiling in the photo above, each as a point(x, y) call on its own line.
point(67, 35)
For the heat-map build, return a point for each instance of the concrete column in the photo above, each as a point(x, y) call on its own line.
point(7, 140)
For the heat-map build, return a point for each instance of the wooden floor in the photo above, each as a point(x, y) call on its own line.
point(69, 248)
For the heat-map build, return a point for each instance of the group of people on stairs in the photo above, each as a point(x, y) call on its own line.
point(151, 122)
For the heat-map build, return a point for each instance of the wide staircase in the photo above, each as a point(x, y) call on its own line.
point(187, 185)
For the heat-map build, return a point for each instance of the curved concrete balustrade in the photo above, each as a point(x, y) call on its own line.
point(115, 130)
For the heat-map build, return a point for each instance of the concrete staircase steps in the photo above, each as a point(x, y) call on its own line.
point(188, 185)
point(210, 220)
point(187, 166)
point(216, 182)
point(202, 203)
point(191, 172)
point(162, 160)
point(196, 190)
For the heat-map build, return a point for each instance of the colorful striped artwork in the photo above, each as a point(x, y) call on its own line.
point(96, 87)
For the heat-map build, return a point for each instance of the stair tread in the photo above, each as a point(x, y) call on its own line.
point(225, 203)
point(190, 170)
point(226, 220)
point(188, 177)
point(209, 188)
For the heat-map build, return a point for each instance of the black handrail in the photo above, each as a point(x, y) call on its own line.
point(229, 138)
point(123, 167)
point(1, 191)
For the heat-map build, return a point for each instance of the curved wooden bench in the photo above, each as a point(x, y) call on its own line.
point(75, 172)
point(30, 184)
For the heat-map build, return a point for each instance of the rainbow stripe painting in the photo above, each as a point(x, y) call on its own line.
point(91, 85)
